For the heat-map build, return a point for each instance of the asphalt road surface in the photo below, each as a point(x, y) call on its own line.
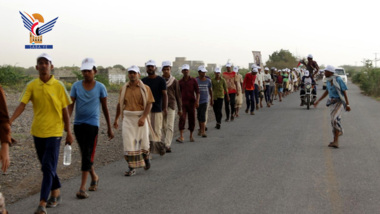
point(276, 161)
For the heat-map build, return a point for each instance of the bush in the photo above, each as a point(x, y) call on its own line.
point(13, 77)
point(368, 80)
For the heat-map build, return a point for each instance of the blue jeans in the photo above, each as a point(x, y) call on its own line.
point(48, 154)
point(249, 97)
point(267, 94)
point(256, 93)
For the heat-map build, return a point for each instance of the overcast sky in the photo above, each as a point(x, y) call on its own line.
point(132, 32)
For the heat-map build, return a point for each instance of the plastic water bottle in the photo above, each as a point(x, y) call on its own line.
point(67, 155)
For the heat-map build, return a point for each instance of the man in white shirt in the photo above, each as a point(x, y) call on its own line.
point(267, 92)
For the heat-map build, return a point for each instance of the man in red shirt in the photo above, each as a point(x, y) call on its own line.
point(230, 78)
point(248, 88)
point(189, 87)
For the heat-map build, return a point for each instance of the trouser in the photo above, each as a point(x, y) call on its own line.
point(229, 104)
point(218, 104)
point(48, 153)
point(168, 127)
point(256, 93)
point(249, 97)
point(271, 92)
point(156, 122)
point(201, 112)
point(87, 136)
point(267, 94)
point(189, 110)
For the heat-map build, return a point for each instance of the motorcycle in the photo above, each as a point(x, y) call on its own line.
point(308, 95)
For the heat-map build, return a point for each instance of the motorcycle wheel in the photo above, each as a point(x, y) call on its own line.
point(308, 102)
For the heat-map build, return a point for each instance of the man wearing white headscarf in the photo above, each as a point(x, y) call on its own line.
point(338, 100)
point(239, 95)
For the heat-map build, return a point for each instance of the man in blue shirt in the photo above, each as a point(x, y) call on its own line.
point(205, 90)
point(338, 100)
point(88, 94)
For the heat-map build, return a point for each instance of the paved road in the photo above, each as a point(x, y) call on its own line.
point(274, 162)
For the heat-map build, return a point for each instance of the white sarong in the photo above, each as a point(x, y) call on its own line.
point(135, 138)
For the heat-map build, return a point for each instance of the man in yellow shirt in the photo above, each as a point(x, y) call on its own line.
point(50, 100)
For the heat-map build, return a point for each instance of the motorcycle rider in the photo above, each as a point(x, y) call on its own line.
point(307, 78)
point(311, 65)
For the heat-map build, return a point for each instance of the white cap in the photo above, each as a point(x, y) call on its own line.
point(330, 68)
point(218, 70)
point(166, 63)
point(134, 68)
point(310, 56)
point(87, 64)
point(266, 69)
point(150, 62)
point(235, 69)
point(306, 73)
point(228, 65)
point(46, 56)
point(255, 70)
point(185, 67)
point(202, 68)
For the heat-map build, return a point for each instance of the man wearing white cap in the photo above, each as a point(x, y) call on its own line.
point(267, 92)
point(158, 87)
point(311, 65)
point(50, 100)
point(248, 89)
point(205, 92)
point(285, 76)
point(230, 78)
point(87, 95)
point(239, 94)
point(174, 97)
point(219, 88)
point(279, 84)
point(260, 88)
point(338, 100)
point(307, 79)
point(190, 101)
point(134, 106)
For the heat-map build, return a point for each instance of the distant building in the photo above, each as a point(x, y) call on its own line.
point(211, 67)
point(179, 61)
point(65, 75)
point(114, 75)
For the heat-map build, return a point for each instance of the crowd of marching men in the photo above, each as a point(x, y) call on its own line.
point(145, 113)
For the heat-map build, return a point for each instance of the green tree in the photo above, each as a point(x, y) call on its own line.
point(282, 59)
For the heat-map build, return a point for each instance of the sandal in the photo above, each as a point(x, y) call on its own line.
point(40, 210)
point(130, 172)
point(192, 139)
point(53, 201)
point(179, 140)
point(93, 185)
point(82, 194)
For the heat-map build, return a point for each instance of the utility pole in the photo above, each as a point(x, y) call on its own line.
point(376, 59)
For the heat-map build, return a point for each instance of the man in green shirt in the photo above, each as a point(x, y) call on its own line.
point(219, 88)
